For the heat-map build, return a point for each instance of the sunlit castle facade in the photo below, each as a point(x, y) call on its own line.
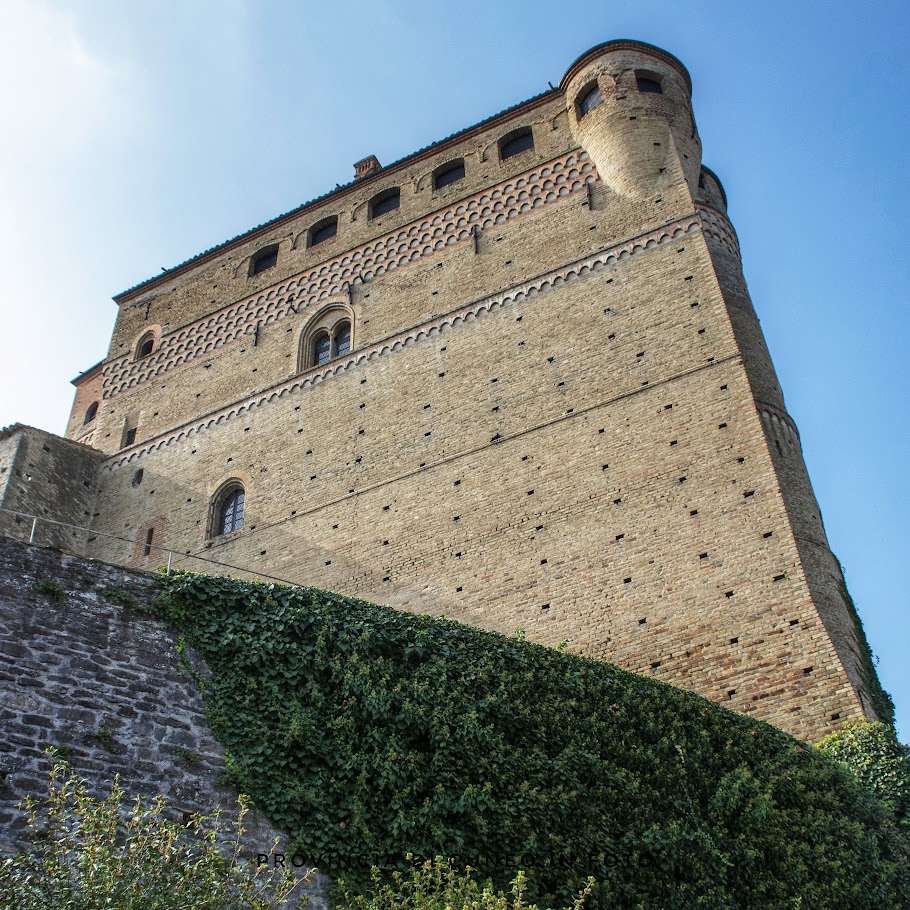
point(515, 378)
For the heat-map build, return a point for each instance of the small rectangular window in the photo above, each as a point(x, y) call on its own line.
point(649, 85)
point(450, 175)
point(130, 437)
point(150, 534)
point(516, 143)
point(264, 259)
point(324, 231)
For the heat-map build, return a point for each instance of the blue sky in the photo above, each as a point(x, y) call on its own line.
point(134, 135)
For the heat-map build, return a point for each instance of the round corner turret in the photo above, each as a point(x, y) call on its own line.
point(710, 191)
point(630, 107)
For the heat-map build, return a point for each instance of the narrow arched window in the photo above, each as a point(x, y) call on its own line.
point(322, 348)
point(385, 202)
point(324, 230)
point(341, 343)
point(91, 413)
point(146, 345)
point(647, 84)
point(229, 510)
point(448, 174)
point(515, 143)
point(589, 100)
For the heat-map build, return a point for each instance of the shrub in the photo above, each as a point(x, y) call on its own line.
point(876, 758)
point(439, 885)
point(97, 855)
point(369, 733)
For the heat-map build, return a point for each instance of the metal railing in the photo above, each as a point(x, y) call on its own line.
point(171, 553)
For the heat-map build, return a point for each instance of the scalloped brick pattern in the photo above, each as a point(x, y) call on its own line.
point(517, 196)
point(475, 310)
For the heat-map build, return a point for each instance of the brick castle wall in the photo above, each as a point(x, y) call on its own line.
point(550, 418)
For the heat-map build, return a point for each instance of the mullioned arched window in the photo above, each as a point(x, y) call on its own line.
point(329, 334)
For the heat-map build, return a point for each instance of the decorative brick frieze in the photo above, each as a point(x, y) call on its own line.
point(775, 416)
point(718, 226)
point(476, 309)
point(510, 199)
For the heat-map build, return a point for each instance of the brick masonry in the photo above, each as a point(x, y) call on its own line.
point(558, 411)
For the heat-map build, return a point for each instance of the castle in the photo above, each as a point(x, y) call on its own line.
point(514, 378)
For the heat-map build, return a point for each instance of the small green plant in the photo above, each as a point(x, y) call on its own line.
point(93, 854)
point(61, 751)
point(440, 885)
point(882, 702)
point(188, 756)
point(118, 595)
point(105, 736)
point(52, 588)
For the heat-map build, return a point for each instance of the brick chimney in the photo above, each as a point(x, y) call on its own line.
point(367, 166)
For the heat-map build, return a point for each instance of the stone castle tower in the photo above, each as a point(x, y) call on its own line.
point(514, 378)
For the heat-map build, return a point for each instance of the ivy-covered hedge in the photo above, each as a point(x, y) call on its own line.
point(369, 734)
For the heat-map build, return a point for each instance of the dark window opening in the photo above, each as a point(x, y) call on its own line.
point(645, 84)
point(148, 542)
point(230, 511)
point(146, 345)
point(326, 230)
point(137, 477)
point(589, 100)
point(385, 202)
point(91, 413)
point(451, 174)
point(130, 437)
point(264, 259)
point(322, 349)
point(516, 143)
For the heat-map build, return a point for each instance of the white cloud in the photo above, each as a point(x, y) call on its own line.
point(53, 87)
